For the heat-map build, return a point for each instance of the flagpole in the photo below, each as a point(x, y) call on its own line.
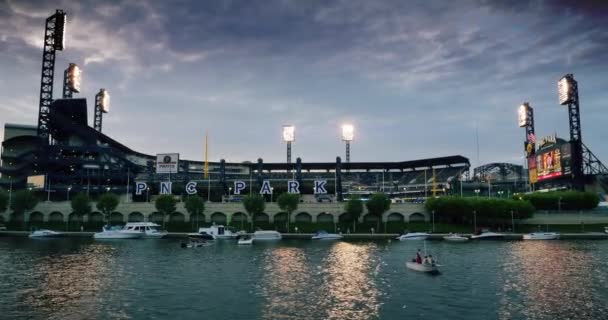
point(206, 167)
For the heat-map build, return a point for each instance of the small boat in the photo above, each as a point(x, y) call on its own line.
point(117, 233)
point(606, 229)
point(195, 243)
point(45, 233)
point(323, 235)
point(541, 236)
point(454, 237)
point(219, 232)
point(200, 236)
point(422, 267)
point(487, 236)
point(413, 236)
point(151, 230)
point(266, 235)
point(245, 240)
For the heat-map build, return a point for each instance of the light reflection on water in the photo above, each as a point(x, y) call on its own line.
point(85, 279)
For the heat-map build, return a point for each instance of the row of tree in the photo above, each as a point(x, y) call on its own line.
point(562, 200)
point(459, 210)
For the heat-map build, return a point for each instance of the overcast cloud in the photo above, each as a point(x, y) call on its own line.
point(417, 78)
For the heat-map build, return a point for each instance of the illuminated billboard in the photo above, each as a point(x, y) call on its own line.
point(533, 174)
point(36, 182)
point(549, 164)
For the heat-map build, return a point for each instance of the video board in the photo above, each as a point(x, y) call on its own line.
point(554, 162)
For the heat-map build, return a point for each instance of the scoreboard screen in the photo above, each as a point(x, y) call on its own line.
point(554, 162)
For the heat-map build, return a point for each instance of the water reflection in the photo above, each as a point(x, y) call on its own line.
point(68, 286)
point(551, 280)
point(349, 290)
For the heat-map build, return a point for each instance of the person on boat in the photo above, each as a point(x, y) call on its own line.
point(418, 257)
point(426, 260)
point(430, 260)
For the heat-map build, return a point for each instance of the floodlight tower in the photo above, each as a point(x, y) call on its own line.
point(348, 134)
point(567, 89)
point(71, 80)
point(54, 37)
point(289, 136)
point(102, 105)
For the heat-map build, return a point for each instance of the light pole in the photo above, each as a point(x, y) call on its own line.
point(500, 192)
point(474, 221)
point(289, 136)
point(348, 134)
point(271, 193)
point(147, 194)
point(477, 191)
point(229, 193)
point(108, 189)
point(433, 216)
point(512, 223)
point(69, 188)
point(10, 191)
point(559, 204)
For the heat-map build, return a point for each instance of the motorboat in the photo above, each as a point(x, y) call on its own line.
point(423, 267)
point(151, 230)
point(455, 237)
point(45, 233)
point(487, 235)
point(266, 235)
point(413, 236)
point(200, 236)
point(245, 240)
point(323, 235)
point(118, 232)
point(606, 229)
point(541, 236)
point(219, 232)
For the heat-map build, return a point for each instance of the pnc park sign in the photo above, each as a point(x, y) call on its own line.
point(293, 186)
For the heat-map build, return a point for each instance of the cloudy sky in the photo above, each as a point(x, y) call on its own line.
point(416, 78)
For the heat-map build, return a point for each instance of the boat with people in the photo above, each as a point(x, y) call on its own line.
point(455, 237)
point(426, 264)
point(413, 236)
point(487, 235)
point(245, 240)
point(151, 230)
point(324, 235)
point(195, 243)
point(219, 232)
point(200, 236)
point(45, 233)
point(266, 235)
point(117, 232)
point(541, 236)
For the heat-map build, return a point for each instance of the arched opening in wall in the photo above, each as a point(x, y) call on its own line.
point(197, 218)
point(56, 217)
point(239, 217)
point(117, 218)
point(157, 218)
point(303, 217)
point(325, 217)
point(261, 218)
point(94, 222)
point(280, 217)
point(370, 218)
point(177, 217)
point(96, 217)
point(136, 217)
point(76, 221)
point(219, 218)
point(395, 223)
point(416, 217)
point(36, 217)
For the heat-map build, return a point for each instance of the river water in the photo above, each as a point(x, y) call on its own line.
point(156, 279)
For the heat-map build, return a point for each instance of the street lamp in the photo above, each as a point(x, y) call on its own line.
point(348, 134)
point(107, 189)
point(229, 192)
point(271, 193)
point(433, 215)
point(69, 188)
point(512, 223)
point(289, 136)
point(559, 204)
point(477, 191)
point(474, 221)
point(147, 194)
point(500, 192)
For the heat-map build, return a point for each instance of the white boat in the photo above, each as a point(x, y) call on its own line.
point(541, 236)
point(117, 233)
point(413, 236)
point(151, 230)
point(323, 235)
point(606, 229)
point(266, 235)
point(422, 267)
point(245, 240)
point(454, 237)
point(44, 233)
point(488, 236)
point(219, 232)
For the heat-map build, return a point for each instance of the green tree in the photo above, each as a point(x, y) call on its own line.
point(288, 202)
point(3, 201)
point(254, 204)
point(106, 204)
point(165, 205)
point(24, 200)
point(354, 208)
point(378, 204)
point(195, 206)
point(81, 204)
